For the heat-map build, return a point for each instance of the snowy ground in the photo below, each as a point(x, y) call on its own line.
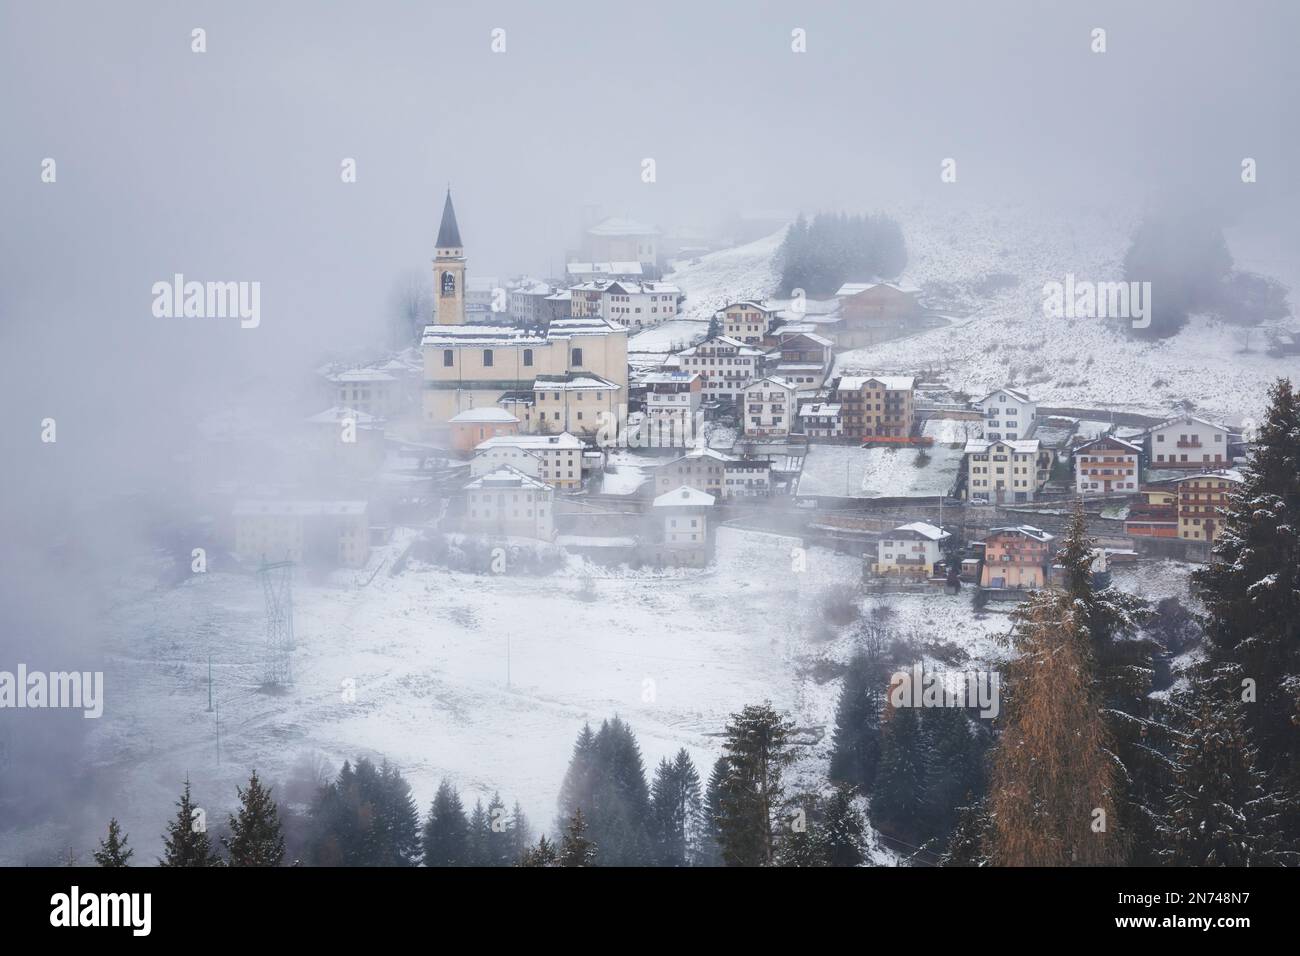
point(427, 654)
point(989, 263)
point(850, 471)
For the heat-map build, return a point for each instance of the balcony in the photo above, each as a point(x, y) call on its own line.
point(1190, 443)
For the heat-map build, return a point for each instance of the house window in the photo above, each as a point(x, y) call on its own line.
point(528, 357)
point(448, 358)
point(577, 356)
point(487, 358)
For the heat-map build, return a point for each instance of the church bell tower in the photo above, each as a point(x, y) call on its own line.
point(449, 270)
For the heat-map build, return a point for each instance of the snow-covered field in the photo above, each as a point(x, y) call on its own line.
point(853, 472)
point(426, 653)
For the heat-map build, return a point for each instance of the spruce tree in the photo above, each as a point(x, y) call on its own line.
point(710, 853)
point(757, 748)
point(446, 830)
point(855, 748)
point(576, 789)
point(843, 829)
point(899, 794)
point(521, 835)
point(1251, 591)
point(577, 850)
point(968, 844)
point(543, 854)
point(113, 850)
point(953, 769)
point(676, 811)
point(255, 838)
point(1219, 811)
point(186, 841)
point(803, 841)
point(497, 842)
point(479, 831)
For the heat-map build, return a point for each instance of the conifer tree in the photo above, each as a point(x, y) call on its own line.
point(479, 831)
point(967, 845)
point(577, 850)
point(1052, 782)
point(843, 829)
point(1219, 811)
point(521, 834)
point(497, 843)
point(543, 854)
point(113, 851)
point(186, 841)
point(676, 809)
point(255, 838)
point(1251, 591)
point(576, 790)
point(953, 769)
point(855, 751)
point(757, 748)
point(396, 820)
point(898, 797)
point(446, 829)
point(710, 853)
point(803, 842)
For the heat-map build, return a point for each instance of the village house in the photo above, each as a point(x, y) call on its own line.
point(1003, 471)
point(1154, 513)
point(484, 296)
point(1107, 465)
point(683, 514)
point(723, 476)
point(769, 408)
point(910, 550)
point(560, 455)
point(872, 312)
point(557, 305)
point(475, 425)
point(495, 456)
point(505, 501)
point(310, 532)
point(874, 407)
point(1200, 499)
point(368, 389)
point(1018, 557)
point(576, 402)
point(1008, 413)
point(747, 478)
point(672, 404)
point(528, 301)
point(725, 367)
point(639, 305)
point(747, 322)
point(822, 420)
point(1188, 442)
point(803, 359)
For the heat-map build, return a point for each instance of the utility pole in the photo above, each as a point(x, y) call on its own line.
point(218, 734)
point(209, 682)
point(507, 661)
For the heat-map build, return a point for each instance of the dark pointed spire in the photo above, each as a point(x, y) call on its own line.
point(448, 232)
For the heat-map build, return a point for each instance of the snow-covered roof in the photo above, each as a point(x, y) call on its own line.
point(532, 442)
point(1187, 420)
point(924, 530)
point(506, 476)
point(786, 335)
point(483, 414)
point(435, 335)
point(1015, 393)
point(1019, 446)
point(748, 304)
point(1028, 530)
point(361, 375)
point(1227, 474)
point(684, 497)
point(893, 383)
point(670, 378)
point(1101, 439)
point(574, 382)
point(853, 288)
point(820, 408)
point(701, 453)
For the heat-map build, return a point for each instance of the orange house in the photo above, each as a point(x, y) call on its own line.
point(1018, 557)
point(475, 425)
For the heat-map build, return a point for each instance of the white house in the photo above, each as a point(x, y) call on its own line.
point(507, 501)
point(1002, 471)
point(1107, 465)
point(725, 366)
point(769, 407)
point(1188, 442)
point(684, 514)
point(560, 455)
point(747, 322)
point(497, 456)
point(822, 420)
point(1008, 413)
point(909, 550)
point(672, 403)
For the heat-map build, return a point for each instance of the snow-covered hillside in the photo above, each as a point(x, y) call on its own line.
point(987, 265)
